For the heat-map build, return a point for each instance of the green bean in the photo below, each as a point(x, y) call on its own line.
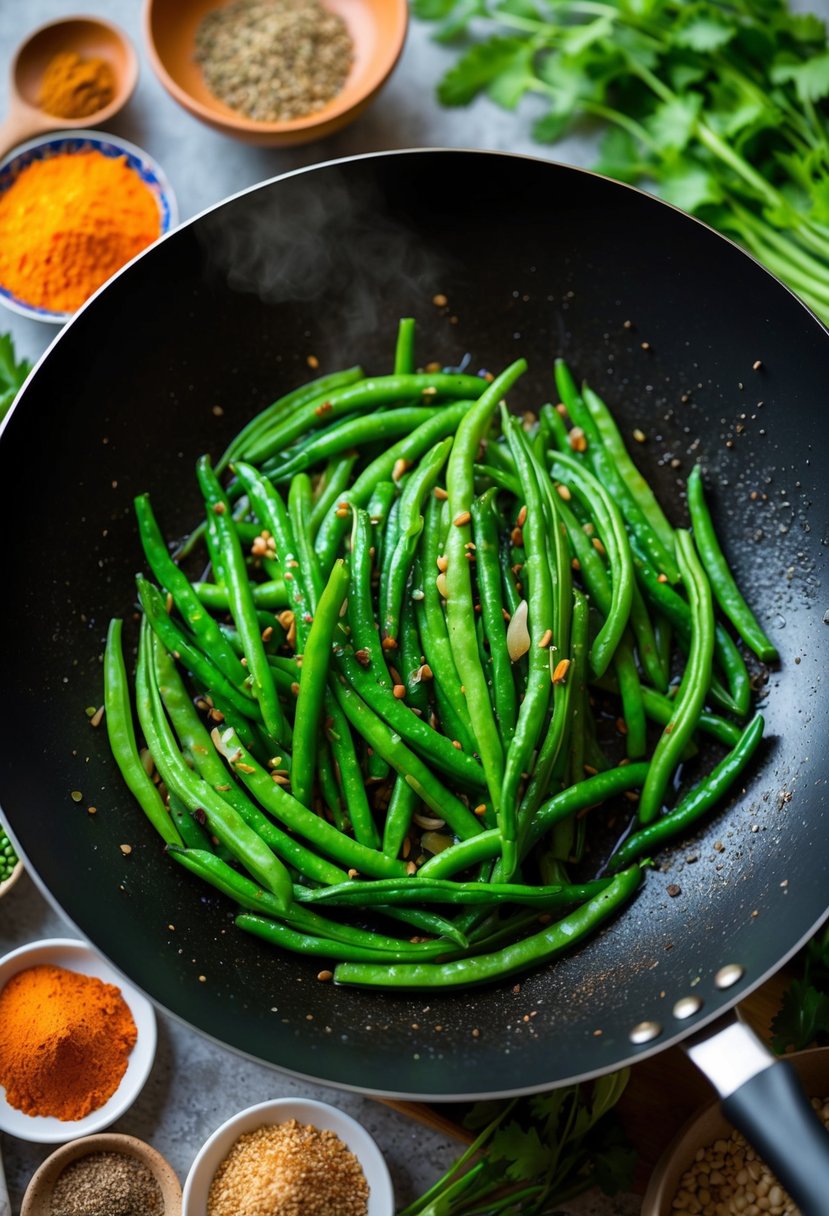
point(196, 662)
point(642, 628)
point(590, 792)
point(665, 598)
point(485, 529)
point(696, 803)
point(199, 746)
point(399, 455)
point(638, 487)
point(419, 735)
point(463, 854)
point(403, 803)
point(404, 761)
point(693, 687)
point(726, 592)
point(315, 664)
point(540, 625)
point(281, 408)
point(606, 470)
point(512, 959)
point(334, 481)
point(344, 436)
point(176, 584)
point(121, 734)
point(242, 608)
point(452, 705)
point(363, 396)
point(224, 821)
point(286, 938)
point(458, 580)
point(297, 818)
point(568, 470)
point(269, 594)
point(404, 360)
point(410, 525)
point(555, 736)
point(359, 894)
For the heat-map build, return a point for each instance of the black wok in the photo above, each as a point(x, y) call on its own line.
point(686, 336)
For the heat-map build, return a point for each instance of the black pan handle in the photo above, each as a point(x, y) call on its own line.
point(762, 1096)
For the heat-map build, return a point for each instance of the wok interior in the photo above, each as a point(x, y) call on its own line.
point(666, 321)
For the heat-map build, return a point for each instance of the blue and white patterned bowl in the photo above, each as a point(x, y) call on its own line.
point(84, 141)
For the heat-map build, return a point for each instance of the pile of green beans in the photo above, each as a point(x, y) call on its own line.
point(427, 636)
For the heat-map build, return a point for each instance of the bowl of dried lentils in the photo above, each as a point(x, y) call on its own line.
point(710, 1169)
point(289, 1155)
point(104, 1175)
point(274, 72)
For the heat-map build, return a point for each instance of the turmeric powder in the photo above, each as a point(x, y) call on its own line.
point(65, 1040)
point(73, 87)
point(70, 221)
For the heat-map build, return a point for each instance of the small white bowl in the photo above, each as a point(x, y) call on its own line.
point(84, 141)
point(280, 1110)
point(76, 955)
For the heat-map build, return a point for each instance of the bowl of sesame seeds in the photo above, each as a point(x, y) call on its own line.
point(274, 72)
point(289, 1155)
point(710, 1170)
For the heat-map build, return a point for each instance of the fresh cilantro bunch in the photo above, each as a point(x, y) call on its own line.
point(534, 1153)
point(716, 106)
point(803, 1016)
point(12, 373)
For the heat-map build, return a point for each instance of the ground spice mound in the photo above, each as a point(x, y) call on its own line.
point(274, 60)
point(106, 1184)
point(65, 1040)
point(68, 223)
point(289, 1169)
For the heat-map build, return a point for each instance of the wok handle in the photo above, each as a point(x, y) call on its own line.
point(762, 1096)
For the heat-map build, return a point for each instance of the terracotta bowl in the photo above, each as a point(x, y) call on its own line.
point(38, 1198)
point(709, 1124)
point(377, 27)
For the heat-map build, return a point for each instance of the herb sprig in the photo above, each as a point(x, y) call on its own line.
point(716, 105)
point(803, 1017)
point(532, 1154)
point(12, 373)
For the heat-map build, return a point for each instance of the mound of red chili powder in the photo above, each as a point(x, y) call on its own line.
point(65, 1040)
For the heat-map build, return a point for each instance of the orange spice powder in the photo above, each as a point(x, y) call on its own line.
point(69, 222)
point(65, 1041)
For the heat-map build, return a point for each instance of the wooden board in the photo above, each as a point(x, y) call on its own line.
point(662, 1094)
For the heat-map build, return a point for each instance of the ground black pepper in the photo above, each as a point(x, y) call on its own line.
point(274, 60)
point(106, 1184)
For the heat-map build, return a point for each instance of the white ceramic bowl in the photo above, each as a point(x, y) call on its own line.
point(280, 1110)
point(84, 141)
point(76, 955)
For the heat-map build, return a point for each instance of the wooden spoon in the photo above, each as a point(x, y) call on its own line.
point(87, 36)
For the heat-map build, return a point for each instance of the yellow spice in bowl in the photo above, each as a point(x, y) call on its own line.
point(288, 1169)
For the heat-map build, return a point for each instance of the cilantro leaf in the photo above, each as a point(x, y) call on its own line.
point(672, 122)
point(703, 28)
point(479, 69)
point(810, 77)
point(803, 1016)
point(12, 373)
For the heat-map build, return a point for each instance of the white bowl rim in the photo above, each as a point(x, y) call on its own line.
point(58, 136)
point(77, 955)
point(321, 1114)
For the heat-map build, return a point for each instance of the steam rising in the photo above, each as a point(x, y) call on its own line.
point(316, 237)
